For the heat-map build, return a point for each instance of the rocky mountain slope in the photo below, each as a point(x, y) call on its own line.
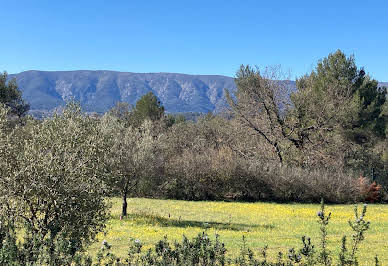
point(98, 91)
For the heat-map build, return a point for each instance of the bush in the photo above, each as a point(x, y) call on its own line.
point(302, 185)
point(209, 161)
point(217, 175)
point(369, 191)
point(51, 193)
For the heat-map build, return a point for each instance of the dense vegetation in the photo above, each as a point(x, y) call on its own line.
point(321, 141)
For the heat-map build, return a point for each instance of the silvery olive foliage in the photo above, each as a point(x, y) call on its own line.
point(51, 184)
point(3, 120)
point(131, 155)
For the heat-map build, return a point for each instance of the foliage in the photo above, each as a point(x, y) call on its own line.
point(130, 155)
point(4, 151)
point(172, 119)
point(11, 96)
point(313, 145)
point(50, 186)
point(198, 251)
point(257, 106)
point(208, 160)
point(324, 255)
point(359, 226)
point(148, 107)
point(335, 119)
point(122, 112)
point(346, 95)
point(338, 110)
point(370, 191)
point(58, 251)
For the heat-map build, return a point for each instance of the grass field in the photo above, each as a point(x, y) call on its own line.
point(280, 226)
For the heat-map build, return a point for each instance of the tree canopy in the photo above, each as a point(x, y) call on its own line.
point(148, 107)
point(338, 93)
point(334, 118)
point(11, 96)
point(51, 182)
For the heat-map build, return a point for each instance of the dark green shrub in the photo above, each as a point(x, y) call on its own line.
point(198, 251)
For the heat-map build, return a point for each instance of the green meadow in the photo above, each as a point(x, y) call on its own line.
point(280, 226)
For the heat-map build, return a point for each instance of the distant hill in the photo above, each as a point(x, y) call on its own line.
point(98, 91)
point(384, 84)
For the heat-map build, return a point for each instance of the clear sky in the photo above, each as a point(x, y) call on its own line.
point(194, 37)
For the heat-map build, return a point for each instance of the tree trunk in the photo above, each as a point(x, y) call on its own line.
point(125, 205)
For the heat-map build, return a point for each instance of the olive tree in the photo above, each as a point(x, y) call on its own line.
point(50, 183)
point(131, 155)
point(3, 140)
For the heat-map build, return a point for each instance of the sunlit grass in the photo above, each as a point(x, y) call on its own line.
point(280, 226)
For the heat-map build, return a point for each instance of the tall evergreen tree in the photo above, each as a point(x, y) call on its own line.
point(337, 93)
point(148, 107)
point(343, 109)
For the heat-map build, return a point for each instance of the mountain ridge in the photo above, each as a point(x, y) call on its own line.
point(99, 90)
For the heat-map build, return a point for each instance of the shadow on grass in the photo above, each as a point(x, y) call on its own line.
point(152, 219)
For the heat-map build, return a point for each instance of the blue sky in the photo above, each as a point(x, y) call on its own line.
point(194, 37)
